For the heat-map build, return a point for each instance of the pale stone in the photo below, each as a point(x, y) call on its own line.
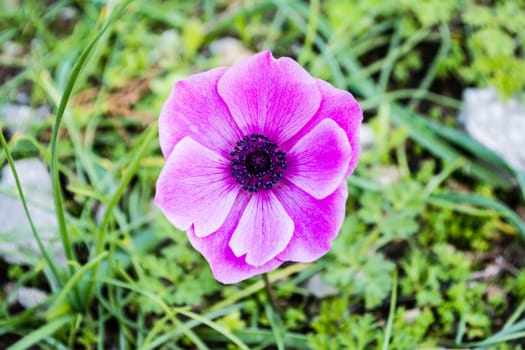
point(319, 288)
point(18, 244)
point(496, 123)
point(229, 51)
point(30, 297)
point(366, 137)
point(18, 118)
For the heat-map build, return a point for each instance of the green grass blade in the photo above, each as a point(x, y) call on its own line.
point(419, 130)
point(171, 312)
point(216, 327)
point(259, 285)
point(484, 202)
point(100, 235)
point(57, 193)
point(432, 71)
point(464, 141)
point(181, 329)
point(59, 304)
point(41, 333)
point(520, 178)
point(391, 56)
point(391, 312)
point(77, 68)
point(418, 127)
point(290, 9)
point(256, 337)
point(375, 101)
point(313, 17)
point(515, 315)
point(43, 250)
point(277, 328)
point(461, 330)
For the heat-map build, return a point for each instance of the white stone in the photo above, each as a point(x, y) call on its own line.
point(18, 244)
point(497, 124)
point(319, 288)
point(229, 51)
point(18, 117)
point(30, 297)
point(366, 137)
point(12, 49)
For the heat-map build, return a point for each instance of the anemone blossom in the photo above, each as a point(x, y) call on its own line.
point(257, 157)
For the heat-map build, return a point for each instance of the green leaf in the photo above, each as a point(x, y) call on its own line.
point(374, 280)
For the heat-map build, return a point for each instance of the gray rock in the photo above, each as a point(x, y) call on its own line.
point(366, 137)
point(497, 124)
point(30, 297)
point(18, 118)
point(12, 49)
point(319, 288)
point(229, 51)
point(18, 244)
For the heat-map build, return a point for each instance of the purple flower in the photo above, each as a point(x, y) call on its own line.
point(257, 157)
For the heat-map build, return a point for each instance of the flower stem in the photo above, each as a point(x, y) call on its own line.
point(269, 291)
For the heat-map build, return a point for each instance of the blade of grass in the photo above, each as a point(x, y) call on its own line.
point(313, 18)
point(100, 235)
point(463, 140)
point(391, 312)
point(516, 331)
point(467, 143)
point(75, 72)
point(57, 193)
point(290, 10)
point(439, 178)
point(520, 178)
point(391, 96)
point(215, 326)
point(419, 131)
point(391, 56)
point(256, 337)
point(81, 154)
point(257, 286)
point(431, 72)
point(277, 328)
point(180, 329)
point(365, 73)
point(41, 247)
point(461, 330)
point(484, 202)
point(515, 315)
point(415, 124)
point(171, 312)
point(225, 21)
point(101, 331)
point(73, 329)
point(59, 304)
point(39, 334)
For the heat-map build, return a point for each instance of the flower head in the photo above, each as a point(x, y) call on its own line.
point(257, 157)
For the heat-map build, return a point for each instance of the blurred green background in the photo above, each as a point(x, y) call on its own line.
point(431, 254)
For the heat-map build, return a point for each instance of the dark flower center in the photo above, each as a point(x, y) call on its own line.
point(257, 163)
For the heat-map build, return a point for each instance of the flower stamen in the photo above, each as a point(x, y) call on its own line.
point(257, 163)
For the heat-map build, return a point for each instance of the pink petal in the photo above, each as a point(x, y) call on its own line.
point(317, 222)
point(264, 229)
point(272, 97)
point(340, 106)
point(195, 109)
point(195, 187)
point(317, 163)
point(225, 266)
